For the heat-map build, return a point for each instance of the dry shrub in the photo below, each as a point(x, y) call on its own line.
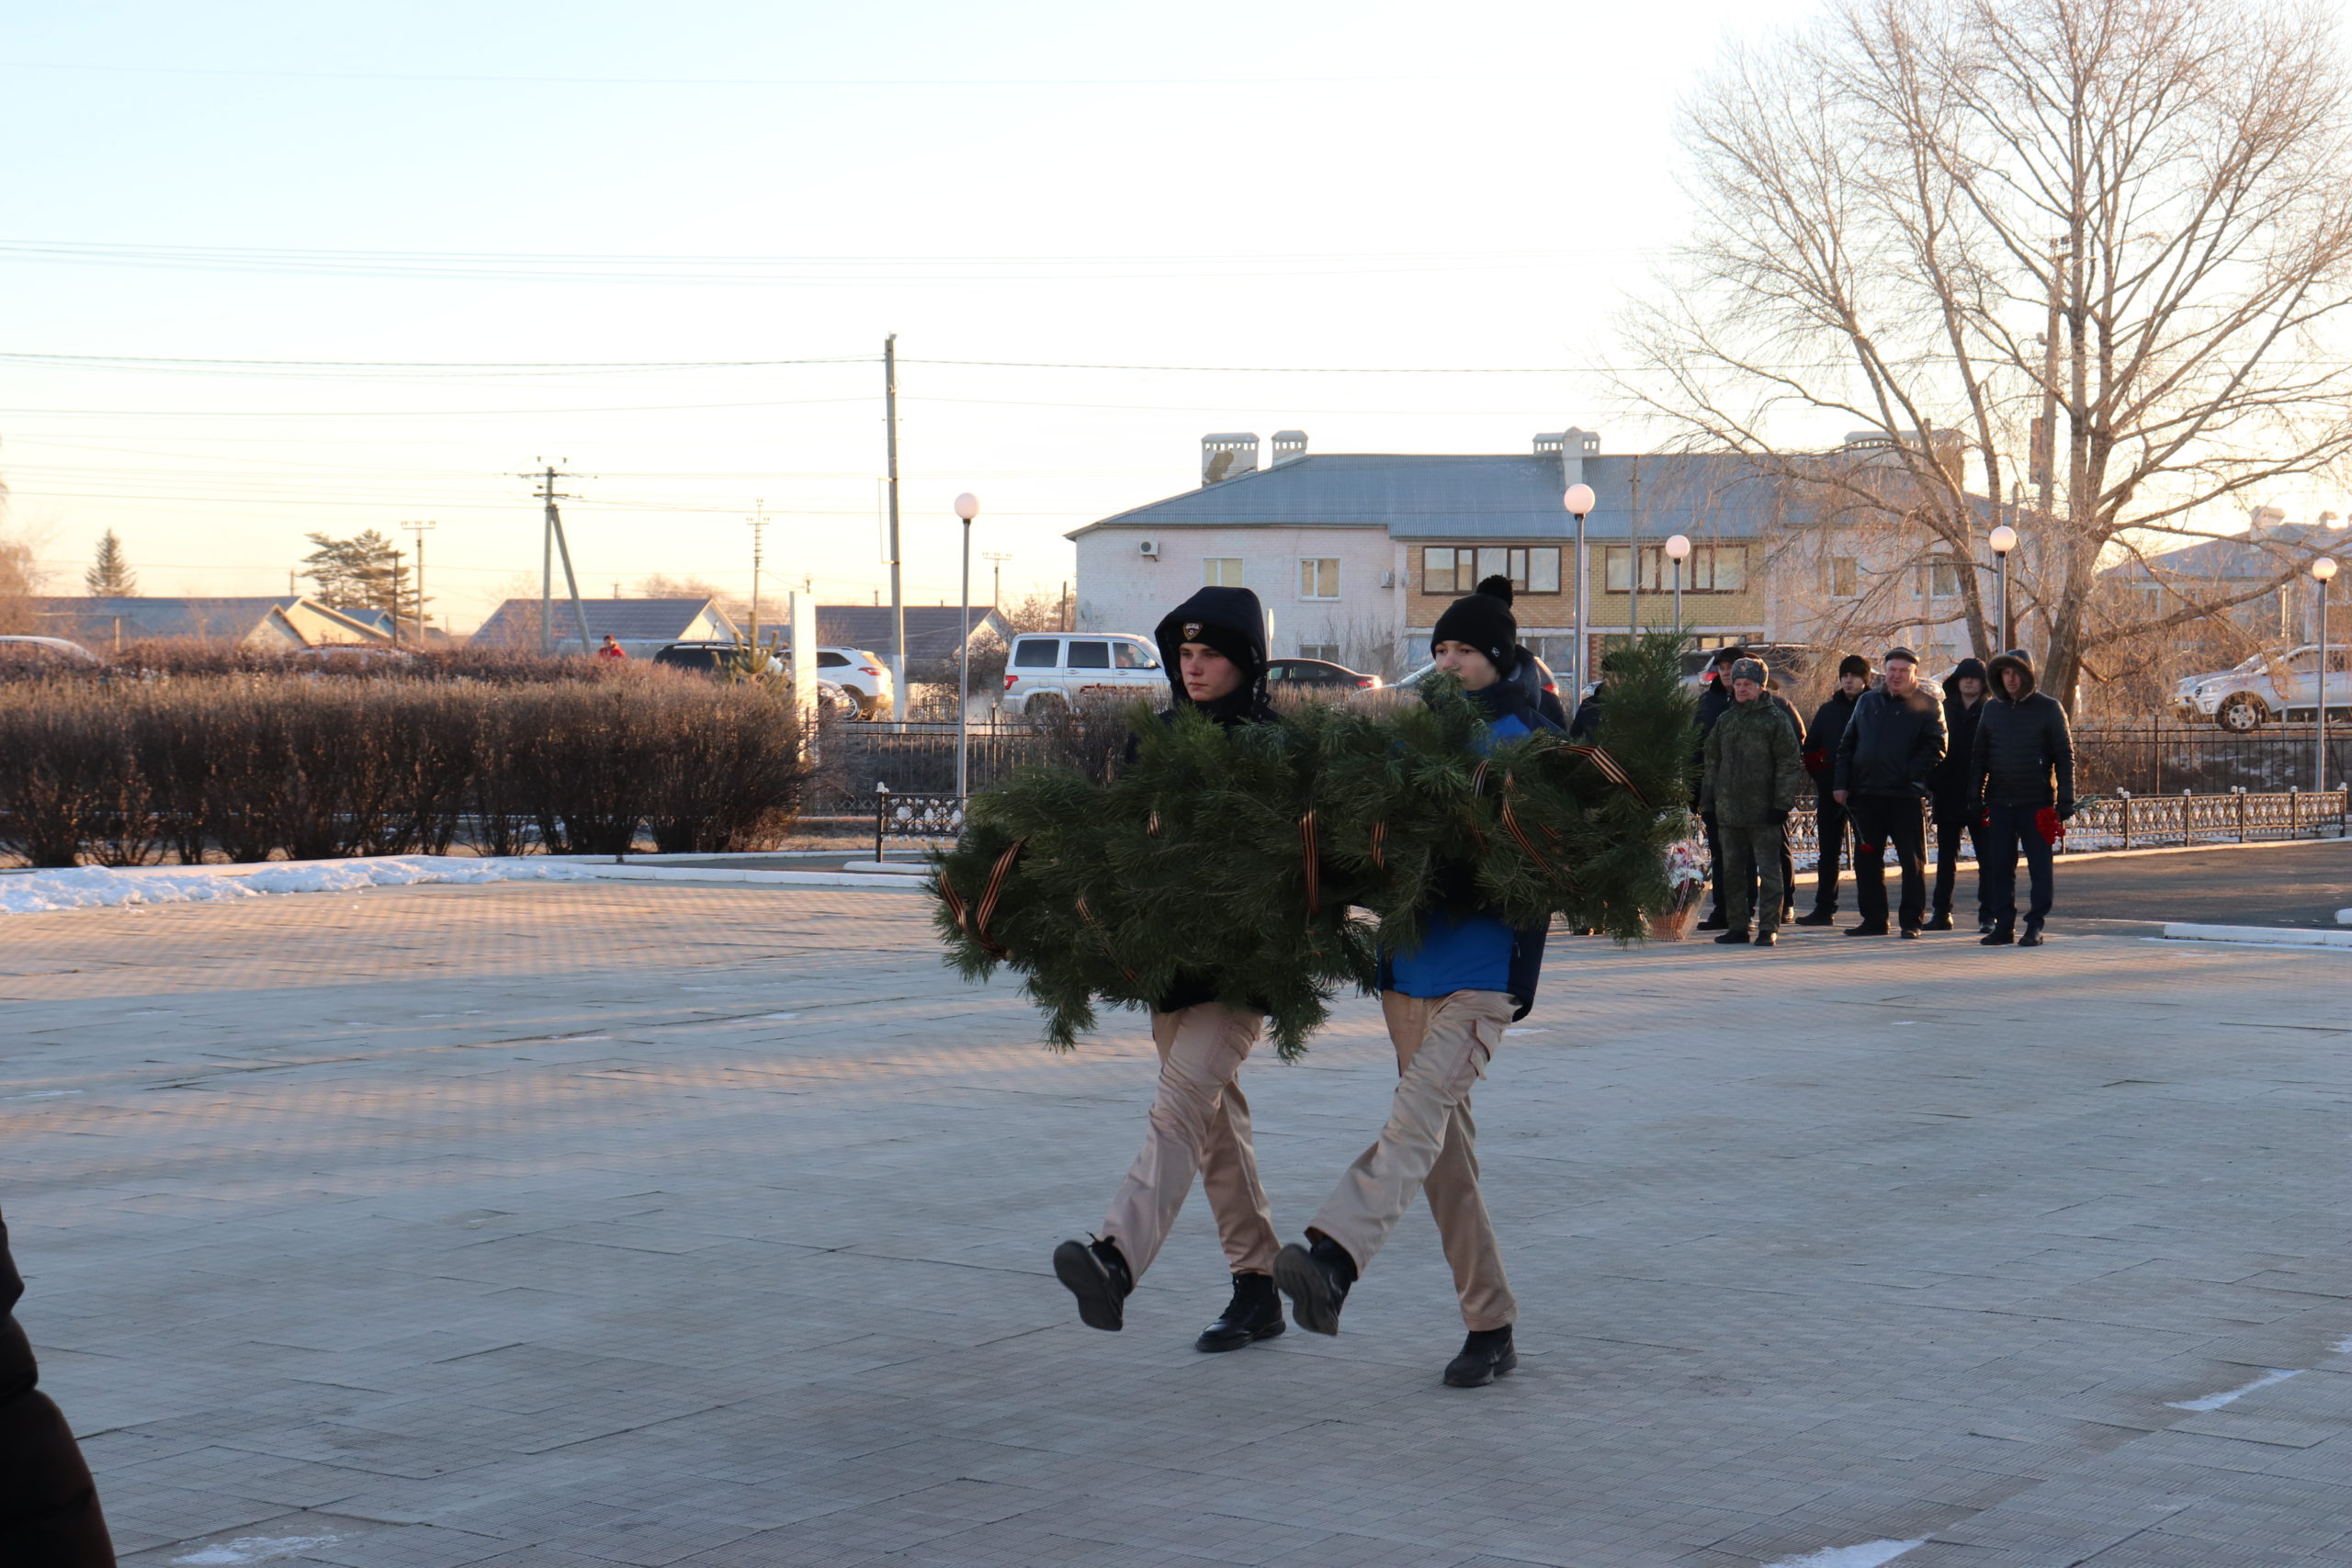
point(250, 767)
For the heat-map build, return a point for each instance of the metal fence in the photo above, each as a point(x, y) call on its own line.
point(2128, 821)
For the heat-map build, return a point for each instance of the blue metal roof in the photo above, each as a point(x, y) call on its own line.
point(2242, 555)
point(1471, 497)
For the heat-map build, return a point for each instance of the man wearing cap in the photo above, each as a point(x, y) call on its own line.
point(2023, 768)
point(1892, 743)
point(1713, 702)
point(1948, 800)
point(1446, 1003)
point(1214, 646)
point(1753, 774)
point(1821, 738)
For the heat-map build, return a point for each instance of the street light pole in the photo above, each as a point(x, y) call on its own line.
point(1677, 549)
point(759, 522)
point(1578, 500)
point(2323, 571)
point(2004, 539)
point(967, 506)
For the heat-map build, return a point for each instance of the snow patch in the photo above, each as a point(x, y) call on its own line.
point(93, 887)
point(257, 1549)
point(42, 1094)
point(786, 1015)
point(1869, 1554)
point(2215, 1401)
point(2341, 1347)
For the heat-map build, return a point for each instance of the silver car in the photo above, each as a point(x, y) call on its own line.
point(2268, 686)
point(1045, 671)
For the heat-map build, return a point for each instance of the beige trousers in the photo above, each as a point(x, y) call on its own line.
point(1430, 1145)
point(1199, 1122)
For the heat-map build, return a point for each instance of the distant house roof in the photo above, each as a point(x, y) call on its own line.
point(2263, 552)
point(931, 628)
point(286, 620)
point(1471, 497)
point(516, 623)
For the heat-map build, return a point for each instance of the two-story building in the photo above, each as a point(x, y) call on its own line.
point(1354, 555)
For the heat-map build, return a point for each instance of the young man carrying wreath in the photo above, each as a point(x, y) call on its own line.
point(1446, 1005)
point(1214, 646)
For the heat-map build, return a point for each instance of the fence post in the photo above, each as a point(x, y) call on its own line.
point(2187, 809)
point(881, 810)
point(2294, 812)
point(2239, 790)
point(2125, 797)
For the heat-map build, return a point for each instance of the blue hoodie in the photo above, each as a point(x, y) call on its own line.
point(1472, 950)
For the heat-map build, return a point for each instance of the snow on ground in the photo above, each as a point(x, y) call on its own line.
point(1870, 1554)
point(86, 887)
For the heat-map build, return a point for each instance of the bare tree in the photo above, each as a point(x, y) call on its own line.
point(1932, 220)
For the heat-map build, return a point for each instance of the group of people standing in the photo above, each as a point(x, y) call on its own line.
point(1989, 758)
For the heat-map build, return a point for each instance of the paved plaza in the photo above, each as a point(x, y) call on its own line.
point(548, 1227)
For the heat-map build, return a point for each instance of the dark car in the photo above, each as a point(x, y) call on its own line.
point(1319, 672)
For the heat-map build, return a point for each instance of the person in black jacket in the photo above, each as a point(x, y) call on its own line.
point(1821, 738)
point(1214, 646)
point(1892, 743)
point(1954, 809)
point(2021, 765)
point(48, 1506)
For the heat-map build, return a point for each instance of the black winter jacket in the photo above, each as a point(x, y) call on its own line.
point(2023, 755)
point(49, 1509)
point(1821, 739)
point(1891, 744)
point(1948, 785)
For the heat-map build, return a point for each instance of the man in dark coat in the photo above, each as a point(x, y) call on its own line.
point(1948, 800)
point(1752, 779)
point(2022, 769)
point(48, 1506)
point(1892, 743)
point(1214, 647)
point(1821, 738)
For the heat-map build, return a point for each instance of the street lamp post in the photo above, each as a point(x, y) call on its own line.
point(2004, 539)
point(967, 506)
point(1677, 550)
point(1578, 500)
point(2323, 572)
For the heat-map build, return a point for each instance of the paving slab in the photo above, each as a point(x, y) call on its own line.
point(708, 1224)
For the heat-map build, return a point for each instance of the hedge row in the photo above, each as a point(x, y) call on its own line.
point(129, 773)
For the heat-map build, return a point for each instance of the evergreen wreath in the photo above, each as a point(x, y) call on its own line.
point(1232, 858)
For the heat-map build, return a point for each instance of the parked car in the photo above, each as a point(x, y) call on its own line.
point(863, 675)
point(51, 651)
point(2284, 685)
point(709, 658)
point(1045, 671)
point(1315, 674)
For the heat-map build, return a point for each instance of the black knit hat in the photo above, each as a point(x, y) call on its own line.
point(1854, 664)
point(1969, 669)
point(1483, 620)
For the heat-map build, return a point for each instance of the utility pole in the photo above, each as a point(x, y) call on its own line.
point(898, 603)
point(552, 543)
point(398, 571)
point(420, 530)
point(759, 522)
point(2059, 251)
point(996, 560)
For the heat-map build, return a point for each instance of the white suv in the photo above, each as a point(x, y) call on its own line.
point(862, 675)
point(2268, 685)
point(1047, 671)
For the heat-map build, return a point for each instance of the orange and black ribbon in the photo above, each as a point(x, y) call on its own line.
point(975, 923)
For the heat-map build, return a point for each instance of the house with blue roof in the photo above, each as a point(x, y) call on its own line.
point(2281, 613)
point(1355, 554)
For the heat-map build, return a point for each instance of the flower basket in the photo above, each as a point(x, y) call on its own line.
point(1686, 882)
point(1675, 925)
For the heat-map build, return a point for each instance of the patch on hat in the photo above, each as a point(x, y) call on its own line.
point(1191, 631)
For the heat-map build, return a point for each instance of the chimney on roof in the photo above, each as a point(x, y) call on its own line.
point(1228, 456)
point(1571, 446)
point(1290, 446)
point(2266, 519)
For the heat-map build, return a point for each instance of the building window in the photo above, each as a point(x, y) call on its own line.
point(1221, 572)
point(1940, 580)
point(1711, 569)
point(1531, 569)
point(1716, 569)
point(1327, 651)
point(1318, 578)
point(1845, 577)
point(1617, 569)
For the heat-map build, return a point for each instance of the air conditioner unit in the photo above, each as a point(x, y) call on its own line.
point(1147, 547)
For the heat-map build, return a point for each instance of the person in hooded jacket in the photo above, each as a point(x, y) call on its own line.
point(1214, 647)
point(1821, 739)
point(1892, 743)
point(1446, 1004)
point(48, 1506)
point(1954, 809)
point(2021, 765)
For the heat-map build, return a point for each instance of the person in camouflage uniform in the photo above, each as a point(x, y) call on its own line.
point(1754, 767)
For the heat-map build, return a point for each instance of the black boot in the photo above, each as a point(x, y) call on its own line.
point(1729, 938)
point(1818, 917)
point(1316, 1279)
point(2001, 935)
point(1940, 921)
point(2033, 937)
point(1099, 1277)
point(1254, 1313)
point(1485, 1356)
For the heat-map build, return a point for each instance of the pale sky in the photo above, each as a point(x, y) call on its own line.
point(528, 184)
